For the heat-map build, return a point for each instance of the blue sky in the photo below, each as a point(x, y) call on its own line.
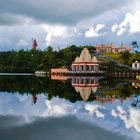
point(60, 23)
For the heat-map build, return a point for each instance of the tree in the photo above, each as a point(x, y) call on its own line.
point(125, 56)
point(135, 45)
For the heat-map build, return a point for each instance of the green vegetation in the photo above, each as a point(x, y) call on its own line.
point(28, 61)
point(113, 55)
point(124, 57)
point(32, 60)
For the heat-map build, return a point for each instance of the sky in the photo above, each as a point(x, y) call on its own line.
point(96, 120)
point(60, 23)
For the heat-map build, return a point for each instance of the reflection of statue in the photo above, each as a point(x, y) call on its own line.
point(34, 97)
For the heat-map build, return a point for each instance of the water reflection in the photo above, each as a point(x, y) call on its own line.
point(89, 104)
point(71, 88)
point(100, 89)
point(85, 86)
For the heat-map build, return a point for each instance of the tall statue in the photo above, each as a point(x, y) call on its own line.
point(34, 44)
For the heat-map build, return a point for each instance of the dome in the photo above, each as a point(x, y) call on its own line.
point(77, 59)
point(85, 55)
point(94, 59)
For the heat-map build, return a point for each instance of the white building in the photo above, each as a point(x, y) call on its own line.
point(136, 65)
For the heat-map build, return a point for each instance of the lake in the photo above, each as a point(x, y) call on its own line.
point(69, 108)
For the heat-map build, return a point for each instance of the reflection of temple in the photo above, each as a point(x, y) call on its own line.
point(59, 77)
point(88, 88)
point(85, 81)
point(85, 86)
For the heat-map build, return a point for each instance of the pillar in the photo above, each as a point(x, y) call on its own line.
point(84, 80)
point(80, 68)
point(73, 68)
point(77, 68)
point(84, 68)
point(90, 67)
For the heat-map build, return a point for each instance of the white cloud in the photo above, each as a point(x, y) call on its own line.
point(135, 22)
point(56, 31)
point(121, 31)
point(123, 115)
point(95, 109)
point(114, 28)
point(134, 117)
point(99, 27)
point(114, 113)
point(95, 32)
point(66, 22)
point(129, 117)
point(54, 108)
point(131, 24)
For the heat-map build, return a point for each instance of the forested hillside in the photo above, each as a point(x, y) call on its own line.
point(32, 60)
point(29, 61)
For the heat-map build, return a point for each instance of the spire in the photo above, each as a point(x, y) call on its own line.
point(121, 45)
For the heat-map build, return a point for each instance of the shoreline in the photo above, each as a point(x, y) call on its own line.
point(16, 74)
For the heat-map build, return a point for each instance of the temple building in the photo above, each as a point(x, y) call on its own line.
point(85, 62)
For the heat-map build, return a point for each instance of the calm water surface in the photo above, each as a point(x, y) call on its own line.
point(91, 108)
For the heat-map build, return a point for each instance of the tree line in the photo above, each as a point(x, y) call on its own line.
point(29, 61)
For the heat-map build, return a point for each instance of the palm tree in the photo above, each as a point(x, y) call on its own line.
point(135, 102)
point(135, 44)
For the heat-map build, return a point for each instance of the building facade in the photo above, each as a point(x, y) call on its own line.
point(107, 48)
point(85, 62)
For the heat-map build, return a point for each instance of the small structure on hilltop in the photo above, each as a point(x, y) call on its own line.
point(136, 65)
point(107, 48)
